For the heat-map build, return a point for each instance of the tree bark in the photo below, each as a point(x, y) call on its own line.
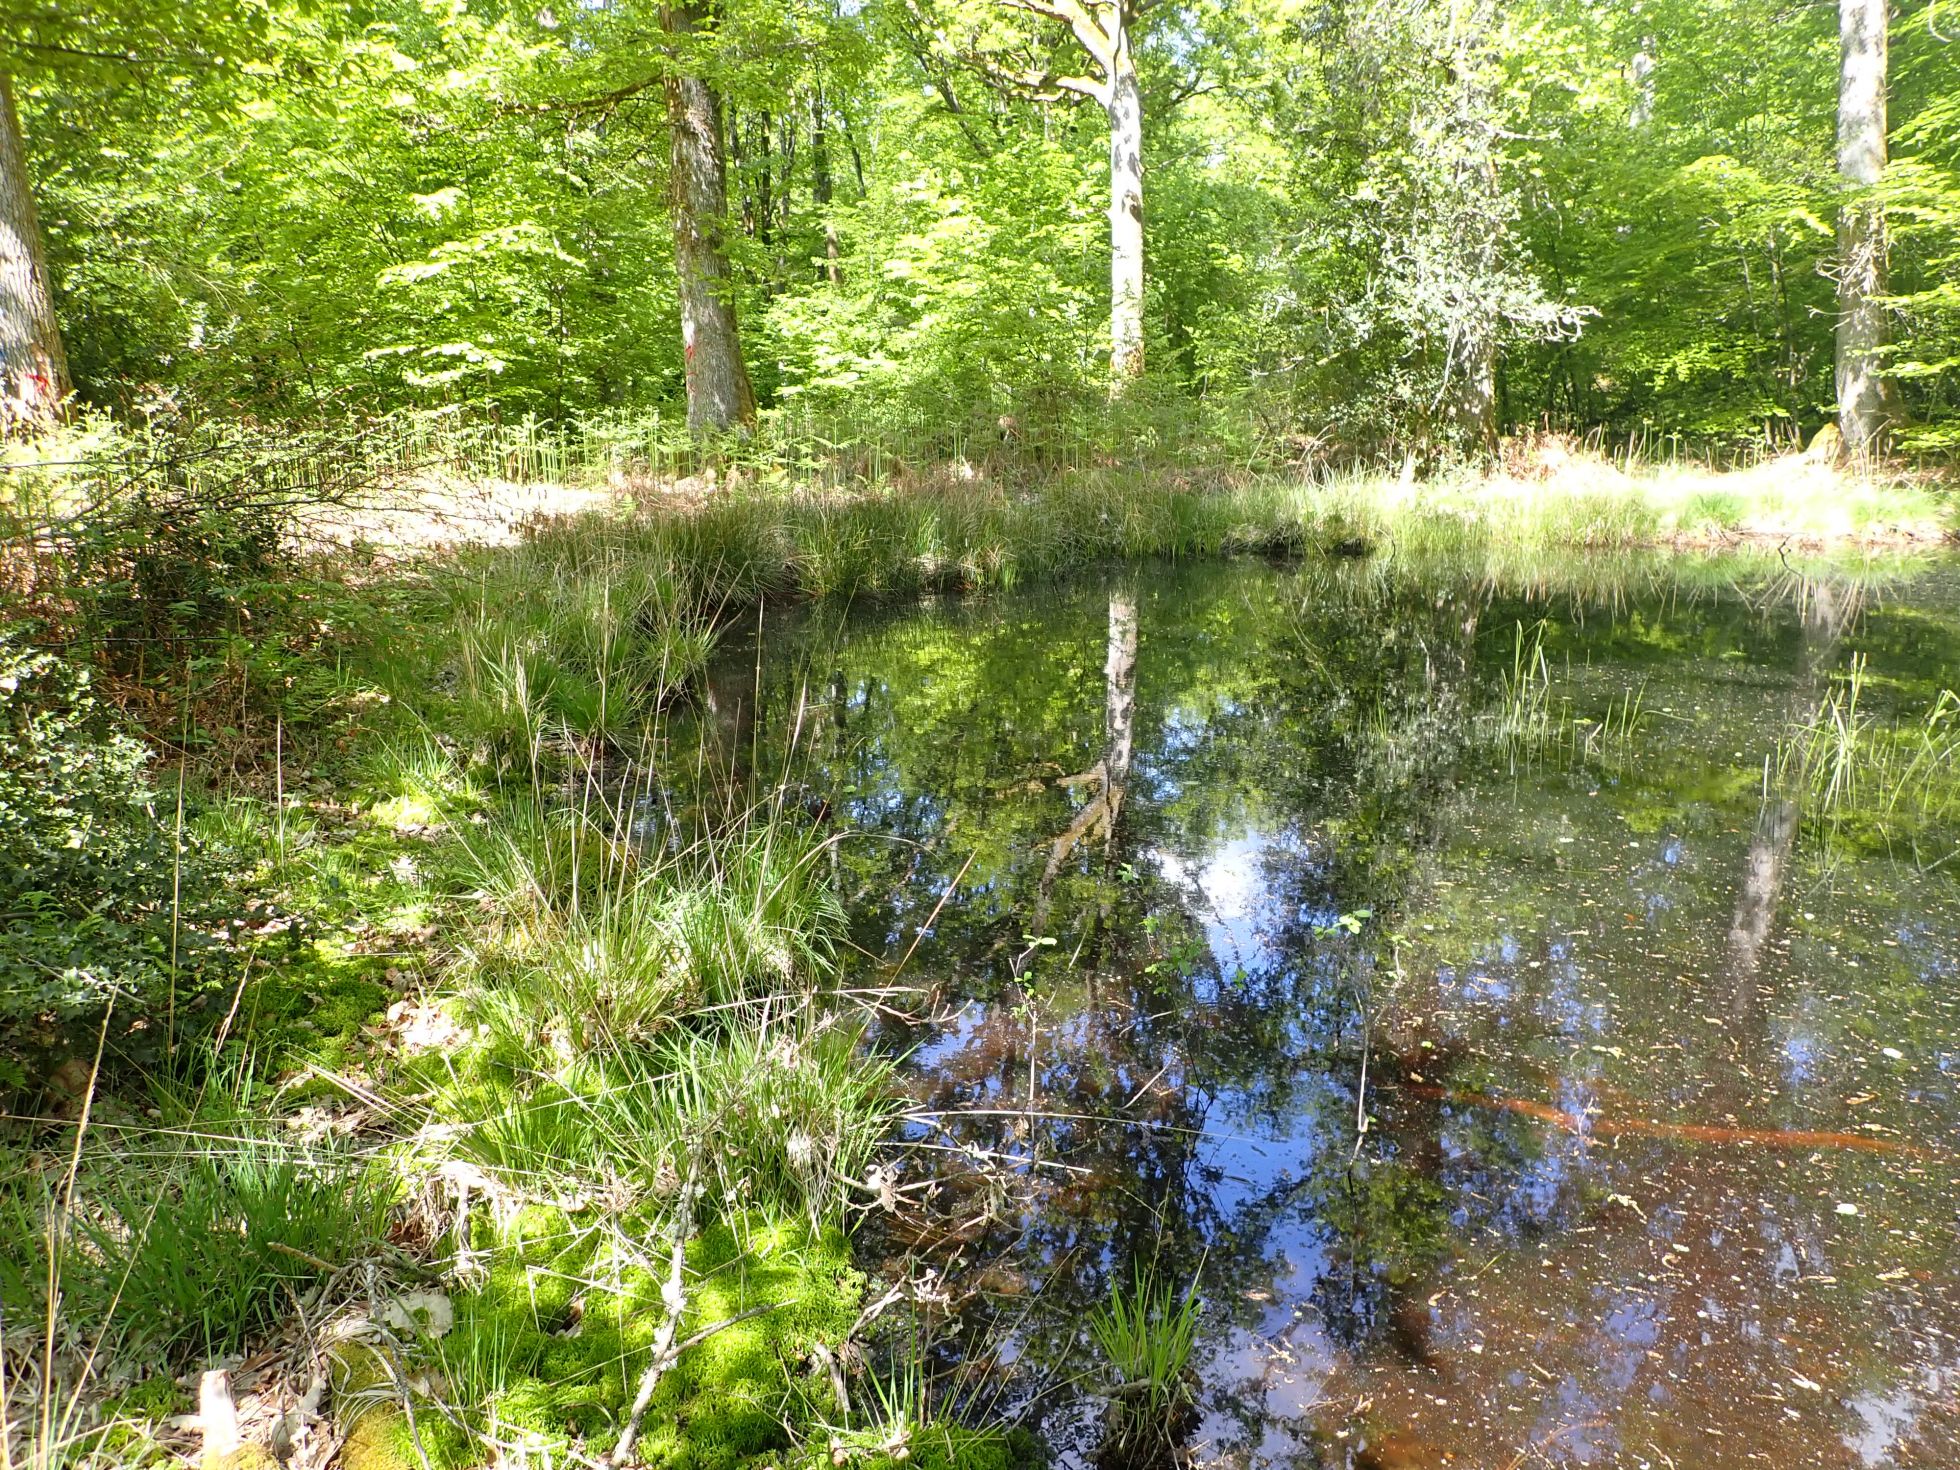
point(1473, 393)
point(1479, 217)
point(820, 188)
point(1642, 71)
point(1125, 204)
point(33, 368)
point(1863, 399)
point(719, 396)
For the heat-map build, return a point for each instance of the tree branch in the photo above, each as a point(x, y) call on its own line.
point(1038, 86)
point(603, 102)
point(1196, 87)
point(1030, 83)
point(1089, 32)
point(673, 1296)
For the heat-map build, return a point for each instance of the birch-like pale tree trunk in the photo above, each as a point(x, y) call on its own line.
point(1475, 213)
point(1110, 775)
point(1863, 399)
point(33, 367)
point(1642, 72)
point(719, 395)
point(1106, 32)
point(1125, 109)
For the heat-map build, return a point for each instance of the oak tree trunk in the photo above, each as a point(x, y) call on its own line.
point(719, 396)
point(1863, 398)
point(1125, 206)
point(33, 368)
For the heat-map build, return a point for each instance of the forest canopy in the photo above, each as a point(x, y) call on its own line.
point(1383, 224)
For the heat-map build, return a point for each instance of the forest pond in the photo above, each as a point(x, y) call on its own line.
point(1522, 998)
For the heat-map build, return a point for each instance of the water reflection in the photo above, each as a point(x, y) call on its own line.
point(1436, 966)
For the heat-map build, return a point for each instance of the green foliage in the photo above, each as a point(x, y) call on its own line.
point(289, 208)
point(1873, 783)
point(104, 903)
point(967, 293)
point(587, 650)
point(158, 577)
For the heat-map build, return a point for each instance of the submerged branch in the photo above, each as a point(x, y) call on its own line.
point(1608, 1127)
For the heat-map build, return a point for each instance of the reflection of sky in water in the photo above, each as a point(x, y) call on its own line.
point(1230, 900)
point(1501, 1270)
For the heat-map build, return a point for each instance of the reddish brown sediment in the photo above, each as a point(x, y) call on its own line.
point(1604, 1126)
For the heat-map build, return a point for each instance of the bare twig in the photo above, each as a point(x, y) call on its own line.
point(674, 1295)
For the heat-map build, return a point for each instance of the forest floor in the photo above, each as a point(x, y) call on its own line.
point(420, 1127)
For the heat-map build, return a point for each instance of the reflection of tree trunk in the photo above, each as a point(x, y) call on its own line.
point(1779, 816)
point(1119, 708)
point(730, 700)
point(1111, 774)
point(1762, 883)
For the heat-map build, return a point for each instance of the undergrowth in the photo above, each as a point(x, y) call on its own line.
point(474, 1030)
point(370, 940)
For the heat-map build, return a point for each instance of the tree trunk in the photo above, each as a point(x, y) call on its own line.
point(1125, 205)
point(1473, 393)
point(1863, 401)
point(1479, 216)
point(821, 190)
point(1642, 72)
point(718, 393)
point(33, 368)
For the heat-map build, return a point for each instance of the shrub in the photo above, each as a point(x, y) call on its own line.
point(88, 872)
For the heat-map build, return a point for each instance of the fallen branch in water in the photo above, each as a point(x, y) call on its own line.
point(1608, 1127)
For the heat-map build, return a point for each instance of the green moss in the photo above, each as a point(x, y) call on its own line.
point(154, 1399)
point(316, 1008)
point(130, 1419)
point(554, 1343)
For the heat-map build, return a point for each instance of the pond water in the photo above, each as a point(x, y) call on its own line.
point(1446, 968)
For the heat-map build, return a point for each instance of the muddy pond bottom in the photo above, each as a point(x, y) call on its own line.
point(1522, 1000)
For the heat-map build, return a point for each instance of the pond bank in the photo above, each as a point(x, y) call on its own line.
point(966, 525)
point(495, 981)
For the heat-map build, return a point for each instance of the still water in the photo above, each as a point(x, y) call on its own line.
point(1457, 972)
